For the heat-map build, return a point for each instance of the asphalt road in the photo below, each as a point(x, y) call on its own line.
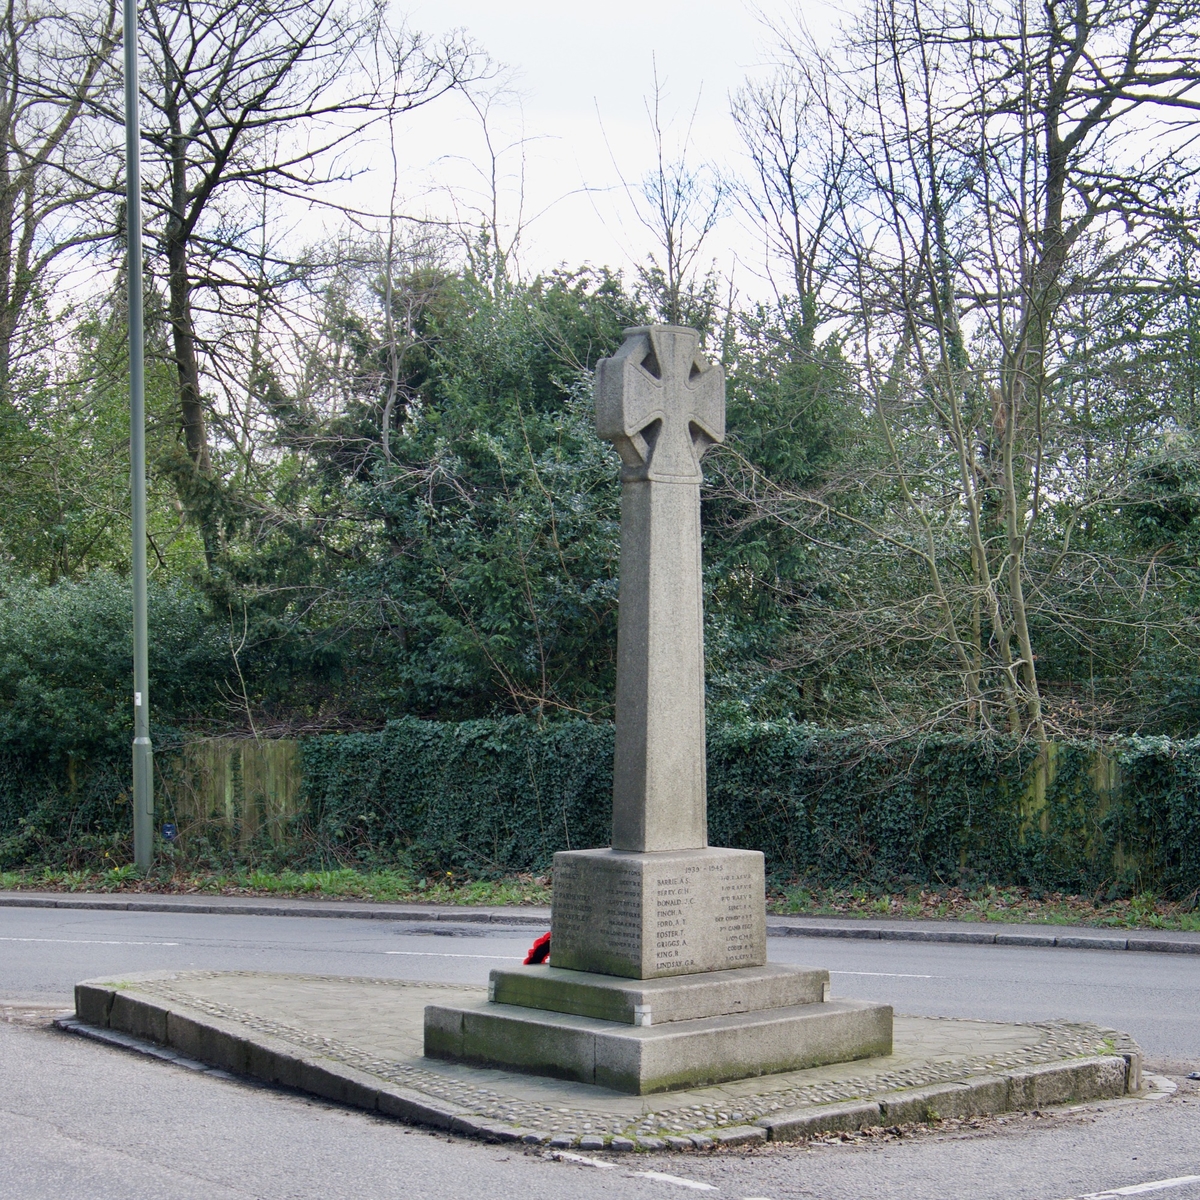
point(1153, 997)
point(81, 1120)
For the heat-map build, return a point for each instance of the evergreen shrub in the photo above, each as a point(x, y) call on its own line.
point(66, 706)
point(493, 796)
point(488, 797)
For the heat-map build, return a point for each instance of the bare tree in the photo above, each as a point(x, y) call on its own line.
point(242, 102)
point(798, 177)
point(355, 357)
point(1005, 182)
point(53, 66)
point(679, 204)
point(490, 219)
point(54, 62)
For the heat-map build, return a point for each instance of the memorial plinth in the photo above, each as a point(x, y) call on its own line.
point(647, 915)
point(659, 977)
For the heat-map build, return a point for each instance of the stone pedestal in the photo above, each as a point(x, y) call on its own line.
point(649, 915)
point(652, 1035)
point(659, 1001)
point(659, 980)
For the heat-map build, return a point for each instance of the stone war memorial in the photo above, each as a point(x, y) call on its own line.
point(658, 1024)
point(659, 977)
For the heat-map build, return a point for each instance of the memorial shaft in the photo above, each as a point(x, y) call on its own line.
point(661, 405)
point(659, 773)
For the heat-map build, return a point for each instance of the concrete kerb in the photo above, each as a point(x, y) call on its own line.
point(269, 1060)
point(110, 1013)
point(529, 917)
point(1097, 1078)
point(1180, 943)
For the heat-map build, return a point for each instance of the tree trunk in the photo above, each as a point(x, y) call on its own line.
point(179, 287)
point(191, 404)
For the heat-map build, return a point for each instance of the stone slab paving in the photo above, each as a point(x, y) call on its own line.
point(359, 1041)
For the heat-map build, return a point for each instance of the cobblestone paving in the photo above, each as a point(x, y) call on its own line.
point(374, 1026)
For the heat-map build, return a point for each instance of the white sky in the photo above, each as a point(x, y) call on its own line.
point(582, 74)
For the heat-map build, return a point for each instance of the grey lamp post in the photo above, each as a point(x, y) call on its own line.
point(143, 753)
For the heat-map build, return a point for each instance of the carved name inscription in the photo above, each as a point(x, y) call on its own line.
point(739, 900)
point(649, 916)
point(582, 912)
point(676, 931)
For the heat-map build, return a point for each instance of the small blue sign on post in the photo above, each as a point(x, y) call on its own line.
point(170, 832)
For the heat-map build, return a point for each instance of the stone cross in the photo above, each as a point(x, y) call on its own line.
point(662, 405)
point(658, 977)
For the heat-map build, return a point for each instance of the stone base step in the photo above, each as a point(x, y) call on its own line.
point(656, 1058)
point(658, 1001)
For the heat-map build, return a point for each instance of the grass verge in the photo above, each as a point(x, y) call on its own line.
point(993, 904)
point(1013, 905)
point(344, 883)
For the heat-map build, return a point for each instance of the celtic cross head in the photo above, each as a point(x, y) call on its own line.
point(660, 403)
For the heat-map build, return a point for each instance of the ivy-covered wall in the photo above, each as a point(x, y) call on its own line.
point(476, 796)
point(492, 796)
point(485, 796)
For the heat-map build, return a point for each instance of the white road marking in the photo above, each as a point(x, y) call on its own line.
point(436, 954)
point(1140, 1189)
point(583, 1160)
point(1159, 1086)
point(887, 974)
point(659, 1176)
point(675, 1179)
point(85, 942)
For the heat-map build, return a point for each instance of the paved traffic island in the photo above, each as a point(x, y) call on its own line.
point(359, 1042)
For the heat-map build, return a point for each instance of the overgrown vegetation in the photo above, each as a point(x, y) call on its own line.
point(487, 799)
point(960, 489)
point(952, 542)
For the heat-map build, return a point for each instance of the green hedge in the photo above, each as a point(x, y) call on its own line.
point(60, 809)
point(503, 795)
point(63, 812)
point(494, 796)
point(482, 797)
